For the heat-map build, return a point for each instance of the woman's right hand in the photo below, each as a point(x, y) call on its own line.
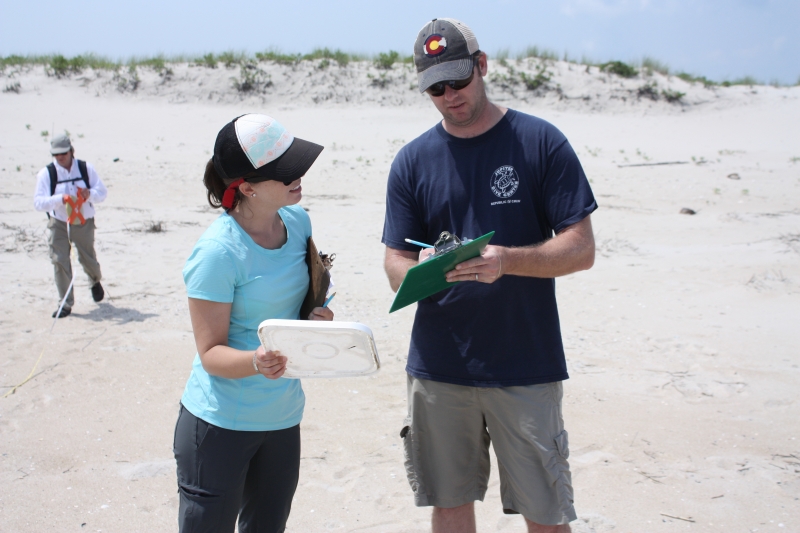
point(270, 364)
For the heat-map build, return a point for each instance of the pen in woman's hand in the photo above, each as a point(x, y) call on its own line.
point(328, 300)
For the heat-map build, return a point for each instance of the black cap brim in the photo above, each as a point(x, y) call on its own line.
point(292, 165)
point(231, 162)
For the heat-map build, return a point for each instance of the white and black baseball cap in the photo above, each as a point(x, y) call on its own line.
point(258, 148)
point(444, 51)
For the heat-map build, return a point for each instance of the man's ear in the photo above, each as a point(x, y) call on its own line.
point(483, 64)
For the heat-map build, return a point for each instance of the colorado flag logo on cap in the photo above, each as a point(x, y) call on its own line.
point(435, 45)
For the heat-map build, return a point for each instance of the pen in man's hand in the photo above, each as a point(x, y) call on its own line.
point(422, 244)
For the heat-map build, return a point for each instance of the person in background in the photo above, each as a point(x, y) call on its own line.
point(67, 190)
point(237, 438)
point(486, 360)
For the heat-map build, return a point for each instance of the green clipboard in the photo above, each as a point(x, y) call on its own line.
point(427, 278)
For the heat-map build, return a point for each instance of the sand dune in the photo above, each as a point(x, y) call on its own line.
point(681, 341)
point(555, 84)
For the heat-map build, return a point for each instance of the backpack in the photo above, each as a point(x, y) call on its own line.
point(51, 169)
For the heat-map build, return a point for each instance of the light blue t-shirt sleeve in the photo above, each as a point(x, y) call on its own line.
point(209, 273)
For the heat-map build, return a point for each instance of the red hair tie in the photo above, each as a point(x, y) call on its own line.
point(230, 193)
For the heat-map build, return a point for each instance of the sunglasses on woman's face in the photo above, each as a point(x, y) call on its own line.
point(437, 89)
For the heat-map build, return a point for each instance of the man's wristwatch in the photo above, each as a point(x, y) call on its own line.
point(255, 366)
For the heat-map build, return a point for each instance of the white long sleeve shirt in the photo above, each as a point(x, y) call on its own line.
point(44, 201)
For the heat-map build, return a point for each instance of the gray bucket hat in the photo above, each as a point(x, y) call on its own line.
point(60, 145)
point(444, 51)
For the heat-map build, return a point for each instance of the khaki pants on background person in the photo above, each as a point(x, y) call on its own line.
point(82, 236)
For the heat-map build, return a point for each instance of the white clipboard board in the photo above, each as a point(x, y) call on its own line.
point(321, 349)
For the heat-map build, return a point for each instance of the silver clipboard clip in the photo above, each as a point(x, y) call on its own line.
point(447, 242)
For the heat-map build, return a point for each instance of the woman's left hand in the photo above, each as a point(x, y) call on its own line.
point(321, 313)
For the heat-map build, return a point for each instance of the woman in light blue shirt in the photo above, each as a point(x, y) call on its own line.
point(237, 439)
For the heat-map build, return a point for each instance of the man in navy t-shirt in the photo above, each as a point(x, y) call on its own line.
point(486, 359)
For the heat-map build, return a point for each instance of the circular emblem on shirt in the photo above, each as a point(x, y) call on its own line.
point(435, 45)
point(504, 181)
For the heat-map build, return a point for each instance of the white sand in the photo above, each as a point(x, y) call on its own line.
point(681, 342)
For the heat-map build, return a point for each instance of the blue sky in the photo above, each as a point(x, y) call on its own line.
point(719, 39)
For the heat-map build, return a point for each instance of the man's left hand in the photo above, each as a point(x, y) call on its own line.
point(486, 268)
point(84, 193)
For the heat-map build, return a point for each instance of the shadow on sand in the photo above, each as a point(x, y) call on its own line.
point(119, 315)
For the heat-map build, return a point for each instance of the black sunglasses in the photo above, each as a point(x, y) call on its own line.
point(437, 89)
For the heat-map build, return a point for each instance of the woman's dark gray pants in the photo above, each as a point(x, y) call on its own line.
point(223, 474)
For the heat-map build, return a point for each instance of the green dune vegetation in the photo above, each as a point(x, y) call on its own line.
point(59, 66)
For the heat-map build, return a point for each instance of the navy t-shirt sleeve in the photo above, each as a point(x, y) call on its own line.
point(568, 196)
point(403, 219)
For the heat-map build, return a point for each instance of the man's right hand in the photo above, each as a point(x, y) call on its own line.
point(64, 198)
point(397, 262)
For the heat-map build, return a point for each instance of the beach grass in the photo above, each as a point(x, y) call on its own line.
point(539, 53)
point(650, 65)
point(619, 68)
point(58, 65)
point(386, 61)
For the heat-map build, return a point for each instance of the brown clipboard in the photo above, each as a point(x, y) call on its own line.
point(318, 281)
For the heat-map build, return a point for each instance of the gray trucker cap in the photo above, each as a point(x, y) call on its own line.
point(443, 51)
point(60, 145)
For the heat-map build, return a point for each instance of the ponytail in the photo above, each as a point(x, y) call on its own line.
point(215, 187)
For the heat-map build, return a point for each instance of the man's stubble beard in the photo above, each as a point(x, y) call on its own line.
point(476, 113)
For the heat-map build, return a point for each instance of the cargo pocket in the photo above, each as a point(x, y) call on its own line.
point(198, 494)
point(199, 508)
point(407, 434)
point(562, 444)
point(558, 468)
